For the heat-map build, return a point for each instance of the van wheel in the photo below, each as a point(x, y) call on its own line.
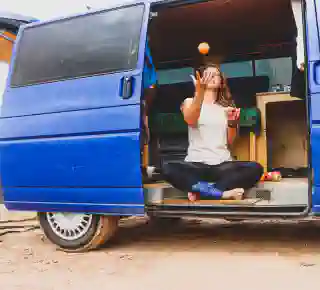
point(77, 232)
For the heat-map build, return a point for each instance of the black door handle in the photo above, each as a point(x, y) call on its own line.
point(126, 87)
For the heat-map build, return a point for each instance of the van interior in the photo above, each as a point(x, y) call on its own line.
point(255, 43)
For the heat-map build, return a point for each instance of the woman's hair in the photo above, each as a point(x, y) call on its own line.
point(224, 97)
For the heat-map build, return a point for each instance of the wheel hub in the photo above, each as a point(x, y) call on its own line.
point(69, 226)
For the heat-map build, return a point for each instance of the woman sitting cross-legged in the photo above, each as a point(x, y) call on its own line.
point(208, 169)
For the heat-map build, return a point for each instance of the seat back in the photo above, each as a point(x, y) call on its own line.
point(172, 133)
point(244, 89)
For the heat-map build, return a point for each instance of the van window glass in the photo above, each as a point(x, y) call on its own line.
point(173, 76)
point(102, 42)
point(237, 69)
point(279, 70)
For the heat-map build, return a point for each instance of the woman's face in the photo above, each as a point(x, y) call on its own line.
point(216, 78)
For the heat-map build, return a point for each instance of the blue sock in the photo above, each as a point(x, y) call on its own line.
point(208, 189)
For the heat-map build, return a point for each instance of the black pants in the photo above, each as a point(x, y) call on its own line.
point(227, 175)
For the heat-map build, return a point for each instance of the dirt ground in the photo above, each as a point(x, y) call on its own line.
point(196, 254)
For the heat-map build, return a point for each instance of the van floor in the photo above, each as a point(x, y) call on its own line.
point(287, 192)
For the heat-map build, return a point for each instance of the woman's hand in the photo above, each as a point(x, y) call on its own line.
point(233, 121)
point(191, 108)
point(201, 83)
point(301, 68)
point(233, 114)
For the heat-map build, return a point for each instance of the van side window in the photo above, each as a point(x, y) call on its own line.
point(98, 43)
point(279, 70)
point(174, 76)
point(237, 69)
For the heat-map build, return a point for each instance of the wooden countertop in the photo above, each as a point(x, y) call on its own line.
point(272, 93)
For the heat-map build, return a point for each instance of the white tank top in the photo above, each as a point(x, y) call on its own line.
point(208, 141)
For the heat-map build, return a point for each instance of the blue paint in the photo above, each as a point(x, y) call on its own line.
point(69, 95)
point(149, 72)
point(313, 53)
point(312, 30)
point(94, 200)
point(81, 161)
point(74, 145)
point(81, 122)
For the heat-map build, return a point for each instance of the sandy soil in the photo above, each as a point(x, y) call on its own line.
point(193, 255)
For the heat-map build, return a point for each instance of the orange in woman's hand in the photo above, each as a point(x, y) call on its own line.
point(233, 113)
point(204, 48)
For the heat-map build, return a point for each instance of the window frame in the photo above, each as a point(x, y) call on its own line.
point(257, 74)
point(64, 78)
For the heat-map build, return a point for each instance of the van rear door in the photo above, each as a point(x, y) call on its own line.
point(70, 122)
point(312, 10)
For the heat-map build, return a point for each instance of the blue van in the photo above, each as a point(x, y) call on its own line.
point(72, 127)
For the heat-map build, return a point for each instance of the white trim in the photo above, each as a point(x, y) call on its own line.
point(4, 70)
point(297, 12)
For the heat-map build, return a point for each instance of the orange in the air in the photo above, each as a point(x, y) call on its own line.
point(204, 48)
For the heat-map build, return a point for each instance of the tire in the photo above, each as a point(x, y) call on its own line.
point(77, 232)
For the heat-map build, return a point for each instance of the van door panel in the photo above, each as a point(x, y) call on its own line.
point(86, 165)
point(70, 95)
point(74, 144)
point(83, 122)
point(78, 170)
point(312, 29)
point(313, 52)
point(95, 200)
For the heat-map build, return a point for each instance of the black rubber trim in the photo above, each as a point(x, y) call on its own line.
point(226, 210)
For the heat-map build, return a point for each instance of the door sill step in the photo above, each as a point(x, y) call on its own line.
point(186, 202)
point(224, 210)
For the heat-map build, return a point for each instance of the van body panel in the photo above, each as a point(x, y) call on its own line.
point(85, 165)
point(312, 13)
point(113, 201)
point(85, 93)
point(73, 144)
point(74, 123)
point(312, 30)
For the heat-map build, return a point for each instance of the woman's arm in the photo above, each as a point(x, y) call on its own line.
point(191, 107)
point(232, 133)
point(233, 124)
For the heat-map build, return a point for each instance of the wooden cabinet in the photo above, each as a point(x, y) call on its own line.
point(283, 138)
